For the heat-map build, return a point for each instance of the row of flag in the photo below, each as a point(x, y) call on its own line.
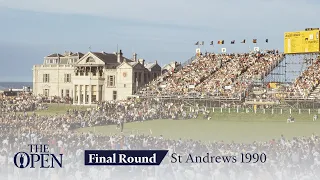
point(232, 42)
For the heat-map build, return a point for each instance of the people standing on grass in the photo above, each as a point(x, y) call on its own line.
point(299, 157)
point(315, 117)
point(58, 131)
point(121, 125)
point(118, 124)
point(290, 119)
point(21, 103)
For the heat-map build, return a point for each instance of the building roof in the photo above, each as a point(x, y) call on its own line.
point(149, 65)
point(77, 54)
point(69, 53)
point(108, 58)
point(105, 57)
point(133, 63)
point(128, 60)
point(55, 55)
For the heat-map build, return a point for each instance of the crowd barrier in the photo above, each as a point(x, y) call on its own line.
point(270, 111)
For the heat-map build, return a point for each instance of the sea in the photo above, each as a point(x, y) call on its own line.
point(14, 85)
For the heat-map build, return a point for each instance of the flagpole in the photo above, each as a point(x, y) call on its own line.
point(201, 46)
point(254, 45)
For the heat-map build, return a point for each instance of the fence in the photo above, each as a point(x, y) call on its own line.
point(270, 111)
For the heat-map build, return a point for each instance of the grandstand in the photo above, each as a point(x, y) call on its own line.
point(246, 77)
point(216, 75)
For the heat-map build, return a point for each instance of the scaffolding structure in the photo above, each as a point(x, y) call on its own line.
point(291, 67)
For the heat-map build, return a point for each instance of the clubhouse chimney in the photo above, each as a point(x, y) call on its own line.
point(141, 61)
point(134, 57)
point(119, 56)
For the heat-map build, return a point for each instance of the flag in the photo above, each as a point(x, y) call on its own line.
point(244, 41)
point(254, 40)
point(197, 43)
point(211, 43)
point(232, 42)
point(267, 40)
point(221, 42)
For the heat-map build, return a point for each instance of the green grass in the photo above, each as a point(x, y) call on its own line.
point(238, 127)
point(233, 126)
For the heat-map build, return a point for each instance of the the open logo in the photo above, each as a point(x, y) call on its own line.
point(39, 156)
point(21, 160)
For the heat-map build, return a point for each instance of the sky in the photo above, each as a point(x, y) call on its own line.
point(156, 30)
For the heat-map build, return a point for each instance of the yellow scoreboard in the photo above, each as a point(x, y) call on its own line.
point(301, 42)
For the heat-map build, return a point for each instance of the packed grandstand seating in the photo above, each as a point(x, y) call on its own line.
point(223, 75)
point(307, 81)
point(235, 77)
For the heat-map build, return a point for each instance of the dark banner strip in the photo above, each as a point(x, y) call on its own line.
point(124, 157)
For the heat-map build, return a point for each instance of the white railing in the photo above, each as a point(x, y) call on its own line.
point(54, 65)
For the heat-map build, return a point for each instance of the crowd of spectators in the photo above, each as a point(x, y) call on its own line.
point(21, 103)
point(296, 159)
point(227, 75)
point(307, 81)
point(178, 83)
point(231, 76)
point(193, 74)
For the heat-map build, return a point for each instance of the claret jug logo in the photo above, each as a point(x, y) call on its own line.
point(39, 156)
point(22, 158)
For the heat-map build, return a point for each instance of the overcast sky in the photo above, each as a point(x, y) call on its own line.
point(156, 30)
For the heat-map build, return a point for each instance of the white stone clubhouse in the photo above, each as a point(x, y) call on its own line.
point(91, 77)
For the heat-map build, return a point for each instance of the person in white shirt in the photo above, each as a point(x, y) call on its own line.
point(315, 117)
